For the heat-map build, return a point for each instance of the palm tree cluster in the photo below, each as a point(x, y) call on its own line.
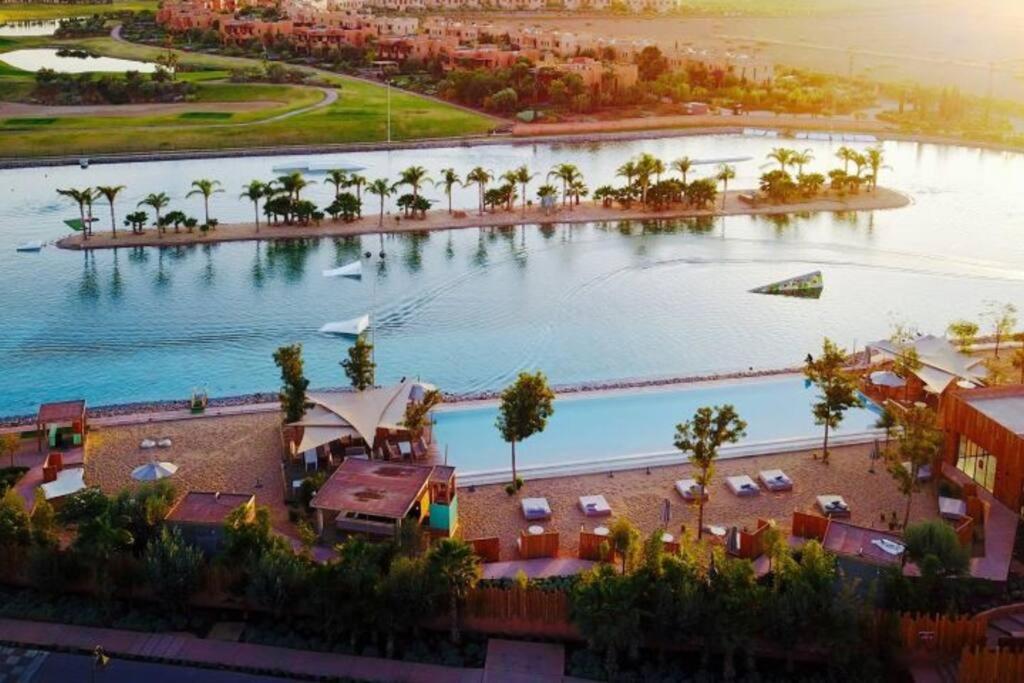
point(780, 185)
point(646, 183)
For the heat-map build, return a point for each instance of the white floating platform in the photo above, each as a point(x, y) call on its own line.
point(353, 270)
point(348, 328)
point(29, 246)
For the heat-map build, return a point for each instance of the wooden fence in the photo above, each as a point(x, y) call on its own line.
point(809, 526)
point(940, 633)
point(487, 549)
point(518, 611)
point(990, 665)
point(533, 546)
point(594, 547)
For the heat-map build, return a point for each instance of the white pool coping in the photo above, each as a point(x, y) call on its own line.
point(634, 461)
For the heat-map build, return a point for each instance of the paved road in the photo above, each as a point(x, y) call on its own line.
point(34, 666)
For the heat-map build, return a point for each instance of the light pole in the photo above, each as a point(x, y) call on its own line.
point(389, 110)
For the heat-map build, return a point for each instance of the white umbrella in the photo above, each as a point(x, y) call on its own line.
point(884, 378)
point(152, 471)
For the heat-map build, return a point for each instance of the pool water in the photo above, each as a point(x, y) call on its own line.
point(593, 428)
point(469, 309)
point(34, 59)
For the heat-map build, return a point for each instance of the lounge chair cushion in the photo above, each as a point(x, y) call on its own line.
point(775, 480)
point(689, 489)
point(952, 508)
point(595, 506)
point(536, 508)
point(742, 485)
point(924, 472)
point(833, 505)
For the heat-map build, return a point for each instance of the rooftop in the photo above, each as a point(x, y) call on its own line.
point(207, 507)
point(64, 411)
point(382, 489)
point(1007, 410)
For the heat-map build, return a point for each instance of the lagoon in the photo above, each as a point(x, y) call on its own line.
point(34, 59)
point(468, 309)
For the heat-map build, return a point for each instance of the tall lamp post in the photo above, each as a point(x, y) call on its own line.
point(389, 109)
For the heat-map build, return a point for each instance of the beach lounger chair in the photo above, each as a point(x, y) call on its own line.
point(536, 509)
point(392, 451)
point(595, 506)
point(924, 472)
point(419, 449)
point(833, 506)
point(310, 460)
point(775, 480)
point(689, 489)
point(742, 485)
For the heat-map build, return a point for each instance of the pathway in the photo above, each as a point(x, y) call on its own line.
point(514, 661)
point(189, 650)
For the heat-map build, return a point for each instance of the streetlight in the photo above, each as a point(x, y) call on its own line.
point(388, 81)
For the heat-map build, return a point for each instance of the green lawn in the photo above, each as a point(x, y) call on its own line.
point(22, 12)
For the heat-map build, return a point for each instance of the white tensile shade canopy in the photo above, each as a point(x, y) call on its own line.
point(363, 412)
point(152, 471)
point(885, 378)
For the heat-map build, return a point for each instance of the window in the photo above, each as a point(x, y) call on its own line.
point(977, 463)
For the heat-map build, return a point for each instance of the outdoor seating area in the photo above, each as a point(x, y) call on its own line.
point(595, 506)
point(535, 509)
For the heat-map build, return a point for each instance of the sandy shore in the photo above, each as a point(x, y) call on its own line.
point(440, 219)
point(637, 495)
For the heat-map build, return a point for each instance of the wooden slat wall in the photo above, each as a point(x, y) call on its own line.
point(960, 418)
point(527, 604)
point(590, 546)
point(809, 526)
point(532, 546)
point(940, 633)
point(988, 665)
point(487, 549)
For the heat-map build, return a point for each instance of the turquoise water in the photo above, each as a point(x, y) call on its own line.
point(596, 428)
point(469, 309)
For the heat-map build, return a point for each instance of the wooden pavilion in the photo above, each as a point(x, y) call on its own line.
point(63, 424)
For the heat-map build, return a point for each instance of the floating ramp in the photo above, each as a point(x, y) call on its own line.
point(808, 285)
point(353, 270)
point(348, 328)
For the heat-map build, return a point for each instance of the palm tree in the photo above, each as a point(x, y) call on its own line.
point(338, 178)
point(81, 197)
point(254, 192)
point(545, 191)
point(845, 155)
point(449, 178)
point(724, 175)
point(801, 159)
point(860, 161)
point(523, 176)
point(567, 173)
point(293, 183)
point(414, 177)
point(645, 167)
point(628, 170)
point(456, 569)
point(157, 201)
point(876, 160)
point(510, 184)
point(658, 167)
point(577, 188)
point(481, 177)
point(783, 156)
point(382, 189)
point(683, 165)
point(206, 188)
point(357, 181)
point(110, 192)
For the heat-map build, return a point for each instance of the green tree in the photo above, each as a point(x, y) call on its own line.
point(417, 413)
point(15, 528)
point(800, 604)
point(782, 156)
point(357, 181)
point(604, 606)
point(414, 177)
point(382, 189)
point(625, 540)
point(110, 192)
point(918, 443)
point(935, 542)
point(737, 603)
point(449, 179)
point(294, 382)
point(359, 366)
point(876, 162)
point(724, 175)
point(701, 437)
point(684, 165)
point(292, 184)
point(628, 171)
point(964, 332)
point(1003, 318)
point(44, 521)
point(480, 176)
point(278, 580)
point(1018, 356)
point(810, 184)
point(254, 192)
point(846, 155)
point(524, 410)
point(801, 159)
point(566, 174)
point(205, 188)
point(174, 569)
point(83, 197)
point(454, 569)
point(9, 445)
point(247, 535)
point(157, 201)
point(338, 178)
point(701, 193)
point(837, 389)
point(99, 538)
point(404, 591)
point(523, 176)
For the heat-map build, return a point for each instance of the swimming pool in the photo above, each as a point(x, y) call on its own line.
point(599, 429)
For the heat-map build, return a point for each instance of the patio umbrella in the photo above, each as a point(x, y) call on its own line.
point(884, 378)
point(153, 471)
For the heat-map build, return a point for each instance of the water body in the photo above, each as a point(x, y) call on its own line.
point(593, 428)
point(34, 59)
point(469, 309)
point(29, 27)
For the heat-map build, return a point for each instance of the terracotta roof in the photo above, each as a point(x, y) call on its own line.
point(382, 489)
point(64, 411)
point(206, 507)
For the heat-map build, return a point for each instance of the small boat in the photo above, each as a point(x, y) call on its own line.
point(353, 270)
point(808, 286)
point(348, 328)
point(29, 246)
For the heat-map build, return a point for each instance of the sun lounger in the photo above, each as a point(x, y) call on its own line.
point(595, 506)
point(775, 480)
point(924, 472)
point(689, 489)
point(833, 506)
point(536, 508)
point(952, 508)
point(742, 485)
point(419, 449)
